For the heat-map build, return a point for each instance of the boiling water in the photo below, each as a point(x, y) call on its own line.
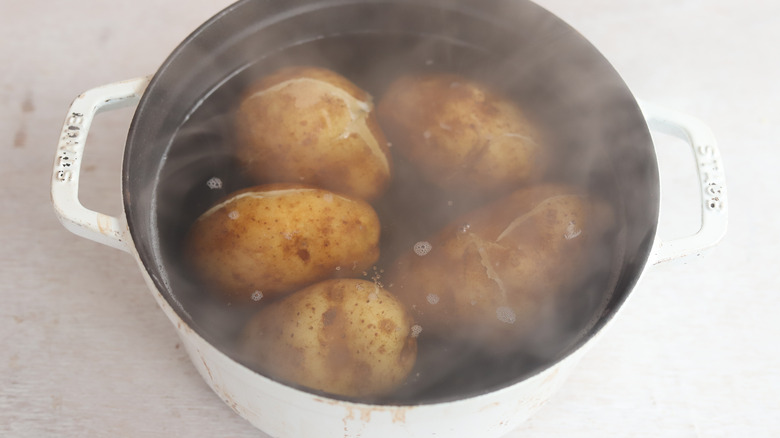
point(200, 169)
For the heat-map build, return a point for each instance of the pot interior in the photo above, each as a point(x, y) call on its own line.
point(178, 161)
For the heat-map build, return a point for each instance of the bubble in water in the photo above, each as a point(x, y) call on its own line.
point(214, 183)
point(427, 134)
point(450, 203)
point(464, 228)
point(432, 298)
point(389, 144)
point(233, 215)
point(429, 62)
point(572, 231)
point(422, 248)
point(257, 295)
point(505, 314)
point(416, 330)
point(338, 268)
point(376, 276)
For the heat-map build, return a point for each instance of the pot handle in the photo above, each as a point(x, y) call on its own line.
point(712, 180)
point(102, 228)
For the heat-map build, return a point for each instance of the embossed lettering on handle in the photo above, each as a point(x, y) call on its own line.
point(68, 152)
point(106, 229)
point(712, 180)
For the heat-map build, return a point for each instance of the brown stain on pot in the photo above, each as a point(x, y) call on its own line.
point(366, 412)
point(208, 370)
point(399, 414)
point(551, 377)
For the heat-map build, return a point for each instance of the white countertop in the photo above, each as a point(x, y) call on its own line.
point(85, 351)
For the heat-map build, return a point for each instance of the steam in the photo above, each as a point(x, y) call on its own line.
point(544, 67)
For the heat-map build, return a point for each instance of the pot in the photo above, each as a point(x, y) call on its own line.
point(174, 144)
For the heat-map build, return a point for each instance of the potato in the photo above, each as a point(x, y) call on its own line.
point(267, 240)
point(495, 274)
point(311, 125)
point(345, 336)
point(460, 135)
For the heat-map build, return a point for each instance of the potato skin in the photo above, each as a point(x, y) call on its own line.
point(311, 125)
point(461, 135)
point(278, 238)
point(345, 336)
point(493, 275)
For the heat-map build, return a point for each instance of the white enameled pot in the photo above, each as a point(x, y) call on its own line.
point(572, 85)
point(282, 411)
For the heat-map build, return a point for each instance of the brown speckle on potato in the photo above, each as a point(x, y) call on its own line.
point(387, 325)
point(329, 316)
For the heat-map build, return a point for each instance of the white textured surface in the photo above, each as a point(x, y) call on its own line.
point(84, 351)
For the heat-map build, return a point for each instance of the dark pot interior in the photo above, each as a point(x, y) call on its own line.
point(180, 137)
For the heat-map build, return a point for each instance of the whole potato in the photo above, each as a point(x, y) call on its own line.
point(345, 336)
point(461, 135)
point(312, 125)
point(495, 274)
point(267, 240)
